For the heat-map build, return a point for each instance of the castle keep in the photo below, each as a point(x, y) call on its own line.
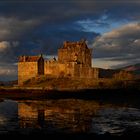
point(74, 60)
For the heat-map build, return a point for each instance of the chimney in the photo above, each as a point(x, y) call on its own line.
point(41, 55)
point(65, 43)
point(24, 58)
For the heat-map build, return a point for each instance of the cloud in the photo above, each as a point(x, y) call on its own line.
point(63, 10)
point(4, 45)
point(12, 28)
point(101, 24)
point(18, 18)
point(8, 72)
point(50, 39)
point(8, 51)
point(107, 63)
point(121, 44)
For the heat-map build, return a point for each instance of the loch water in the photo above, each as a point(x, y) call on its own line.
point(68, 116)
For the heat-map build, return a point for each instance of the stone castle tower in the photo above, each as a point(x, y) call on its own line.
point(74, 60)
point(29, 66)
point(75, 52)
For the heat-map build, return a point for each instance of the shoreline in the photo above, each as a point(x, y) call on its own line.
point(38, 93)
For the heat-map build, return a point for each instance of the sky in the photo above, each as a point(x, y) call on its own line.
point(32, 27)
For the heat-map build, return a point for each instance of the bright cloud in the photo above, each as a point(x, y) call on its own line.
point(8, 71)
point(4, 45)
point(123, 43)
point(107, 63)
point(123, 40)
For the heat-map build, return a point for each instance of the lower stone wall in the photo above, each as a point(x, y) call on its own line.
point(51, 68)
point(26, 70)
point(88, 72)
point(59, 69)
point(71, 69)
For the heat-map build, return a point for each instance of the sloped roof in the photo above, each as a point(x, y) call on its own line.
point(29, 58)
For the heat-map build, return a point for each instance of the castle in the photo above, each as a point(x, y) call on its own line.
point(74, 60)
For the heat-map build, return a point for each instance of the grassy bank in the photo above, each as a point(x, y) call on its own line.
point(80, 83)
point(43, 87)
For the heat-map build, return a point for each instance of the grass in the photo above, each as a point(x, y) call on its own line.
point(79, 83)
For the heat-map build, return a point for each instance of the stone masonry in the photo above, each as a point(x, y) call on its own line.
point(74, 60)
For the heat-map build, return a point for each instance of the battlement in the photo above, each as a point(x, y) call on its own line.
point(67, 44)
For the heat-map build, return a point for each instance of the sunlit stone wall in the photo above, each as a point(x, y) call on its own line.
point(26, 70)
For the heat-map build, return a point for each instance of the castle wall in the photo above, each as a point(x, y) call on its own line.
point(78, 53)
point(71, 69)
point(58, 69)
point(51, 68)
point(88, 57)
point(88, 72)
point(74, 60)
point(63, 56)
point(26, 70)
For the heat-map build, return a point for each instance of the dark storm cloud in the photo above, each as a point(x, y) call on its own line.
point(17, 18)
point(51, 39)
point(13, 29)
point(54, 10)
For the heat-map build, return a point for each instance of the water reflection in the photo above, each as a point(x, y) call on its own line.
point(57, 115)
point(8, 116)
point(67, 116)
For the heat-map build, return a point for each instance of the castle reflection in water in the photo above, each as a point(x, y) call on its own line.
point(57, 116)
point(68, 116)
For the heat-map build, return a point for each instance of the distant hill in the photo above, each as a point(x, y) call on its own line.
point(107, 73)
point(8, 83)
point(135, 69)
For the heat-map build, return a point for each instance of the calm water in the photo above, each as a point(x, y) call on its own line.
point(68, 116)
